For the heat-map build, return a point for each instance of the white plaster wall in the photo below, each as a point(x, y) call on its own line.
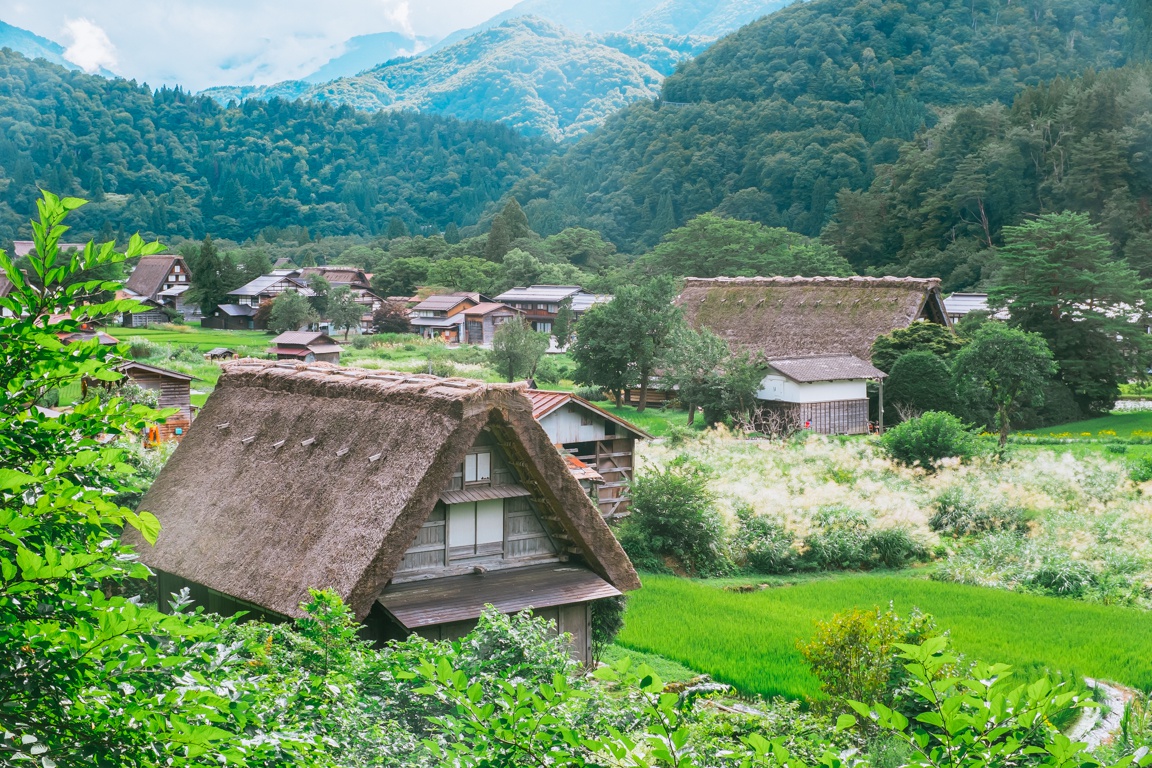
point(777, 387)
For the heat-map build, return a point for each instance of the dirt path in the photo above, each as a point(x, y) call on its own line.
point(1098, 725)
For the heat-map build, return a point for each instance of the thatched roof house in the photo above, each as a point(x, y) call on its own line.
point(778, 317)
point(416, 499)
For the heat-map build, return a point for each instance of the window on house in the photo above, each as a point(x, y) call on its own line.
point(585, 419)
point(176, 268)
point(476, 528)
point(553, 308)
point(544, 327)
point(478, 468)
point(542, 306)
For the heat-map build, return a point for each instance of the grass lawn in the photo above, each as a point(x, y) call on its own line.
point(657, 422)
point(1123, 423)
point(202, 338)
point(749, 640)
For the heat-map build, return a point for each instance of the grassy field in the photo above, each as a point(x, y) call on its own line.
point(201, 338)
point(1118, 424)
point(658, 422)
point(749, 640)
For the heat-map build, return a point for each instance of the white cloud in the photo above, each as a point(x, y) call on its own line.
point(200, 43)
point(88, 46)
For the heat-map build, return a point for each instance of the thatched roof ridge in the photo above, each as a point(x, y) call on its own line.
point(299, 476)
point(776, 317)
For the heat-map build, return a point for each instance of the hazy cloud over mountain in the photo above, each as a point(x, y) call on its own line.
point(200, 43)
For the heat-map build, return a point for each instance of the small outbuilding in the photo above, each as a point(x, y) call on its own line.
point(820, 393)
point(482, 320)
point(599, 440)
point(306, 347)
point(174, 389)
point(417, 499)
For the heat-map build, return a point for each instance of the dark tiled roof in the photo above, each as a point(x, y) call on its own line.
point(825, 368)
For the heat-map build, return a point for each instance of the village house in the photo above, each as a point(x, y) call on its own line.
point(442, 317)
point(306, 347)
point(596, 439)
point(239, 312)
point(157, 282)
point(541, 303)
point(831, 322)
point(356, 280)
point(174, 389)
point(418, 500)
point(482, 320)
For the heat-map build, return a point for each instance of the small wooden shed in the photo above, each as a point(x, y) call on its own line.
point(598, 439)
point(417, 499)
point(175, 390)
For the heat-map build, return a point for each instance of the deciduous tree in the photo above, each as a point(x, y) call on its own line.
point(1005, 369)
point(516, 349)
point(290, 312)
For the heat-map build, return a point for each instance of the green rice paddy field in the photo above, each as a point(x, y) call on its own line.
point(749, 640)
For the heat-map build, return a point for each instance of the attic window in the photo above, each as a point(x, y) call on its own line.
point(478, 467)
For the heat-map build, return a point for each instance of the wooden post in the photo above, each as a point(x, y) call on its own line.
point(881, 430)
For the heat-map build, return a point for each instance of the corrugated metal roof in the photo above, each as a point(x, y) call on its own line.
point(825, 368)
point(580, 470)
point(301, 337)
point(548, 293)
point(441, 303)
point(483, 493)
point(545, 402)
point(436, 322)
point(237, 310)
point(132, 365)
point(264, 282)
point(460, 598)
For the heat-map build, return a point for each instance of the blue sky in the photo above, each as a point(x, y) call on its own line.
point(200, 43)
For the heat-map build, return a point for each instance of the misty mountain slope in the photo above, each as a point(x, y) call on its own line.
point(526, 73)
point(367, 51)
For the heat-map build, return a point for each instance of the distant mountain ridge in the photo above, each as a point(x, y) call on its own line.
point(527, 73)
point(367, 51)
point(34, 46)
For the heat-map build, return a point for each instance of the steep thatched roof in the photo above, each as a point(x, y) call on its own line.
point(297, 476)
point(147, 279)
point(775, 317)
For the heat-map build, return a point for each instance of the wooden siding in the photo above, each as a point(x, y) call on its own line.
point(836, 417)
point(147, 317)
point(657, 397)
point(613, 459)
point(174, 393)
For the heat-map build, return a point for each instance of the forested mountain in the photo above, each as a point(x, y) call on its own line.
point(772, 121)
point(1080, 145)
point(169, 163)
point(527, 73)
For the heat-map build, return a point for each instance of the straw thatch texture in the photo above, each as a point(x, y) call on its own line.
point(773, 317)
point(263, 523)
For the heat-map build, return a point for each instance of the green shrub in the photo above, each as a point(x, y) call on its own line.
point(363, 342)
point(591, 394)
point(926, 440)
point(893, 548)
point(140, 348)
point(443, 368)
point(763, 545)
point(957, 512)
point(920, 382)
point(674, 517)
point(1140, 470)
point(1119, 448)
point(552, 370)
point(853, 655)
point(837, 540)
point(607, 621)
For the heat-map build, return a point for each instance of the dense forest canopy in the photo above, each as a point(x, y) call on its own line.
point(770, 123)
point(169, 163)
point(1079, 145)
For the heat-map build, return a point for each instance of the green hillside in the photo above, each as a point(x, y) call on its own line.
point(773, 120)
point(526, 73)
point(169, 163)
